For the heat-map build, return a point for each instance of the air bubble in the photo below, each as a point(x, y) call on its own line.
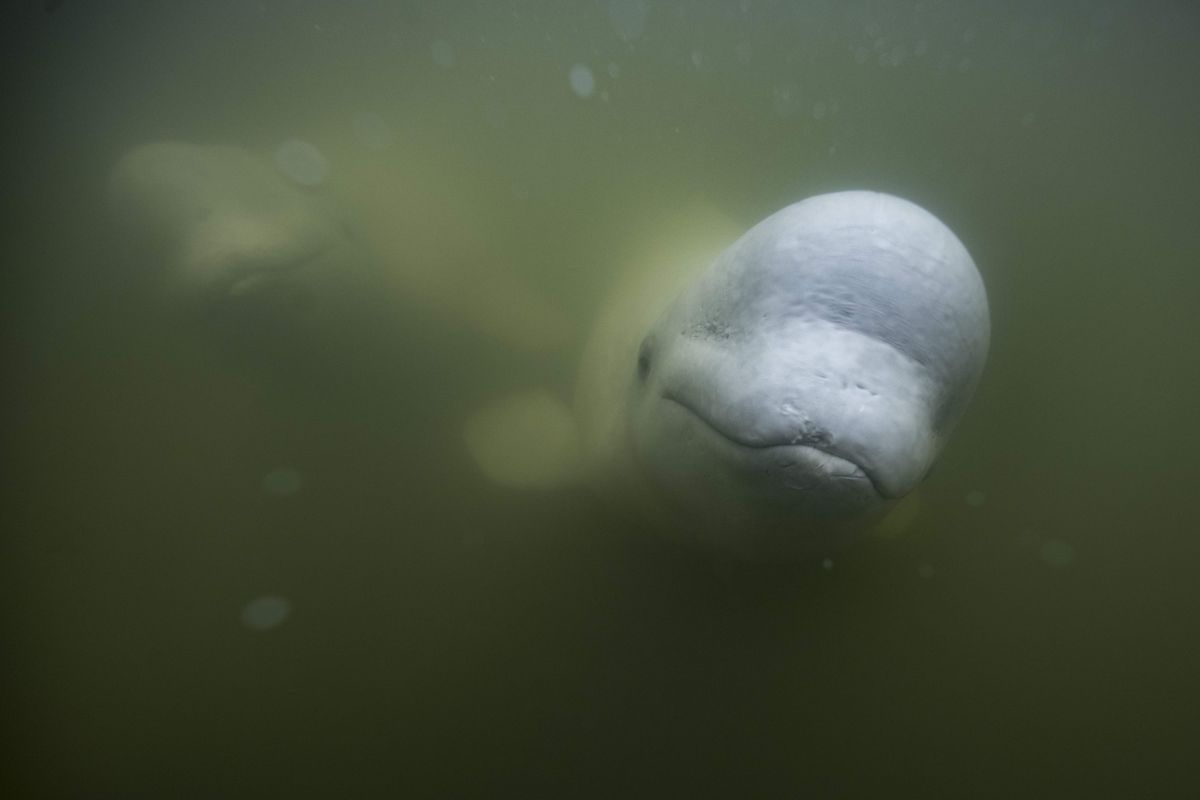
point(443, 54)
point(583, 83)
point(1056, 553)
point(302, 162)
point(371, 130)
point(282, 482)
point(266, 612)
point(628, 18)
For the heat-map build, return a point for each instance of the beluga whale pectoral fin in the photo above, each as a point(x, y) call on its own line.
point(525, 440)
point(531, 439)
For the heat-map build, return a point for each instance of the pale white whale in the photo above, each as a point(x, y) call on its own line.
point(220, 230)
point(265, 246)
point(776, 402)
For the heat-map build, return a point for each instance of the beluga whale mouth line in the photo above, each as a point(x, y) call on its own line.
point(836, 464)
point(247, 278)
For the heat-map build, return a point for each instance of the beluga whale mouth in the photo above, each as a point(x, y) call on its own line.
point(807, 452)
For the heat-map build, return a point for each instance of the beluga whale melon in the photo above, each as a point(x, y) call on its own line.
point(778, 401)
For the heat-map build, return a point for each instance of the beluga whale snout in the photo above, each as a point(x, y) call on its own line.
point(778, 401)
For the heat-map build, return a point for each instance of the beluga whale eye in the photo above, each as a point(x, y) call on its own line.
point(644, 360)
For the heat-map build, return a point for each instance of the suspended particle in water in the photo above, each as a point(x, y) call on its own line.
point(371, 130)
point(697, 59)
point(614, 69)
point(628, 18)
point(827, 565)
point(925, 571)
point(1028, 120)
point(582, 81)
point(443, 54)
point(784, 99)
point(1027, 540)
point(975, 498)
point(302, 162)
point(266, 612)
point(282, 482)
point(1056, 553)
point(819, 110)
point(496, 113)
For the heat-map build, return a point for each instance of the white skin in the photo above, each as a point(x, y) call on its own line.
point(793, 391)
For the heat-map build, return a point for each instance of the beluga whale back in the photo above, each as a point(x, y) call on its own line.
point(777, 402)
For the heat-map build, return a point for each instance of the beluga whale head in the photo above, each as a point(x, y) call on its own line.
point(804, 382)
point(226, 236)
point(771, 403)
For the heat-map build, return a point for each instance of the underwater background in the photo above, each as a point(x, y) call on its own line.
point(232, 571)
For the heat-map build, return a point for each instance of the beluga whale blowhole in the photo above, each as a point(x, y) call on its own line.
point(777, 402)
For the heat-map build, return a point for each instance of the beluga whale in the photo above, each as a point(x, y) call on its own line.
point(773, 403)
point(288, 256)
point(223, 234)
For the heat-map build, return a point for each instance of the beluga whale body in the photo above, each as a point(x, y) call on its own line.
point(776, 402)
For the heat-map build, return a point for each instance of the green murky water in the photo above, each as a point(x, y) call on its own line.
point(233, 575)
